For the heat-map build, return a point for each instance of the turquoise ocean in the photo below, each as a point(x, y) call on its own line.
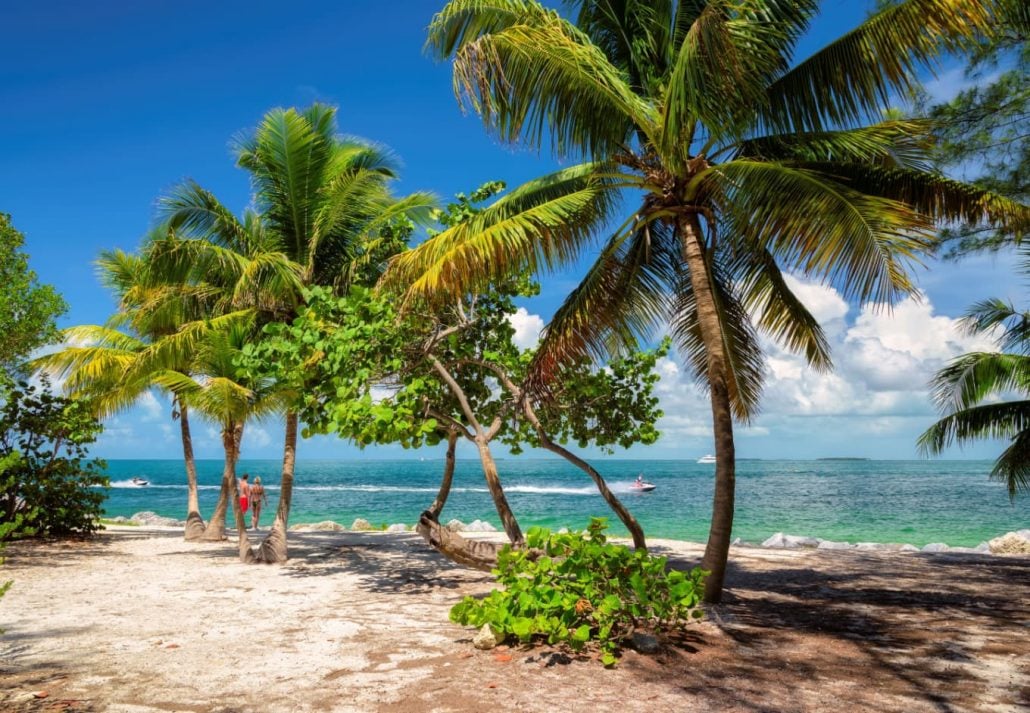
point(917, 502)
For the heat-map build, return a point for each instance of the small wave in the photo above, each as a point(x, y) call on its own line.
point(551, 490)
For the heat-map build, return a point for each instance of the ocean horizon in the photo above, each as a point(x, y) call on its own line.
point(886, 501)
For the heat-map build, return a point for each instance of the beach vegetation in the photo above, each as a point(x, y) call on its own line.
point(578, 589)
point(326, 216)
point(377, 373)
point(49, 487)
point(742, 165)
point(28, 309)
point(112, 367)
point(986, 395)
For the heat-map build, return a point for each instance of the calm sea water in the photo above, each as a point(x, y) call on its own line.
point(858, 501)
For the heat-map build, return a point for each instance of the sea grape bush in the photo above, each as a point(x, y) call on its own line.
point(47, 485)
point(577, 588)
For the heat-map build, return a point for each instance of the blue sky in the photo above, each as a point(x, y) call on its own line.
point(108, 105)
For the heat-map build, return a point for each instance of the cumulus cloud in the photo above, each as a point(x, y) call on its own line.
point(151, 408)
point(257, 436)
point(883, 362)
point(527, 328)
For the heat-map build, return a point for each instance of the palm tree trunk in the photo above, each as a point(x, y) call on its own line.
point(718, 547)
point(493, 481)
point(448, 476)
point(232, 439)
point(215, 530)
point(273, 548)
point(194, 522)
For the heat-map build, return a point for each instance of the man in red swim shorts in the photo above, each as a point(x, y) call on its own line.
point(244, 493)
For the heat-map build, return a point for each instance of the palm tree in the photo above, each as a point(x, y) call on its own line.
point(741, 164)
point(968, 389)
point(325, 205)
point(216, 391)
point(96, 359)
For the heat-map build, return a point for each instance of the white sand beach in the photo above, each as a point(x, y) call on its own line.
point(139, 621)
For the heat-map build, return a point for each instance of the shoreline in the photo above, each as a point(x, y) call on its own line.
point(1008, 543)
point(139, 620)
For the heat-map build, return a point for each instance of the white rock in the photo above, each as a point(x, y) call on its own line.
point(781, 541)
point(1011, 543)
point(397, 527)
point(967, 550)
point(361, 525)
point(936, 547)
point(152, 518)
point(831, 545)
point(878, 546)
point(908, 548)
point(983, 547)
point(480, 526)
point(456, 526)
point(324, 526)
point(487, 638)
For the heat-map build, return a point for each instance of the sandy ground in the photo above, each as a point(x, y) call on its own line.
point(137, 620)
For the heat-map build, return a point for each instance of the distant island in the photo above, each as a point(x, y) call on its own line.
point(844, 459)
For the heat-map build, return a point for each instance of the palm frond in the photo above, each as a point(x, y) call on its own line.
point(287, 158)
point(818, 227)
point(745, 361)
point(633, 34)
point(192, 211)
point(987, 315)
point(535, 77)
point(622, 297)
point(938, 197)
point(989, 421)
point(971, 378)
point(1013, 465)
point(854, 77)
point(889, 144)
point(776, 310)
point(542, 224)
point(725, 62)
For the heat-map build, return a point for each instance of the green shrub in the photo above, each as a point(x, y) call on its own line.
point(47, 487)
point(582, 589)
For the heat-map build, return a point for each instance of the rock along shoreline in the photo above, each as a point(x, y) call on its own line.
point(1011, 543)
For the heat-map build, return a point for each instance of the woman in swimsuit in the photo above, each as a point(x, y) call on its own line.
point(257, 498)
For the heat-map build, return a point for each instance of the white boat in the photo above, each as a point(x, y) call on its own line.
point(140, 481)
point(706, 459)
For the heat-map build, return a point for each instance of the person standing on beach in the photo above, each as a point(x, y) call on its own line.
point(257, 499)
point(244, 493)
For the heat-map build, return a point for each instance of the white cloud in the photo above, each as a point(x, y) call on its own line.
point(152, 409)
point(527, 328)
point(884, 360)
point(256, 436)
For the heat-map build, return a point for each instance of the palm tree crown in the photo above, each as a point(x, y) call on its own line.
point(740, 162)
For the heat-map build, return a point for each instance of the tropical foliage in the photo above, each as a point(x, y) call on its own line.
point(576, 588)
point(741, 162)
point(47, 486)
point(28, 310)
point(982, 131)
point(972, 392)
point(323, 215)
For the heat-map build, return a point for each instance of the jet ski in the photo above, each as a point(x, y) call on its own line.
point(643, 486)
point(140, 481)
